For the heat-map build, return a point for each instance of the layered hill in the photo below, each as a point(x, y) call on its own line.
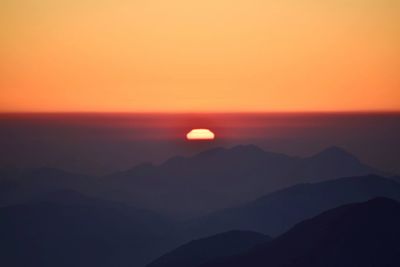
point(225, 177)
point(66, 228)
point(275, 213)
point(363, 234)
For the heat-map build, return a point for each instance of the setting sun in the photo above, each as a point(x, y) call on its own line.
point(200, 134)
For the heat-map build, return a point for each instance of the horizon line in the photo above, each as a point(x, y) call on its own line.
point(289, 112)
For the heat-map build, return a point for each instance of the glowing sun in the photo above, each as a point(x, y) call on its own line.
point(200, 134)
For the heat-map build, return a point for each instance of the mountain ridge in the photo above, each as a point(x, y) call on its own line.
point(69, 229)
point(276, 212)
point(357, 234)
point(205, 249)
point(200, 181)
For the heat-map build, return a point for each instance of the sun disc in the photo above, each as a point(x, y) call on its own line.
point(200, 134)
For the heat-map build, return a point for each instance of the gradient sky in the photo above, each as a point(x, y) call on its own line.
point(199, 56)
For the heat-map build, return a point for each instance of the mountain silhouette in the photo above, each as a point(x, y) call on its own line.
point(210, 248)
point(20, 185)
point(275, 213)
point(189, 186)
point(225, 177)
point(48, 218)
point(362, 234)
point(332, 162)
point(66, 228)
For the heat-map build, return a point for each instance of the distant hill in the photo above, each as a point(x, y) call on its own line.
point(275, 213)
point(90, 231)
point(210, 248)
point(67, 229)
point(20, 185)
point(364, 234)
point(225, 177)
point(189, 186)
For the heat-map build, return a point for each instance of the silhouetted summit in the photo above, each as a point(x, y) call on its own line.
point(334, 152)
point(363, 234)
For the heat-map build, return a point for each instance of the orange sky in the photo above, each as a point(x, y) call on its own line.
point(199, 56)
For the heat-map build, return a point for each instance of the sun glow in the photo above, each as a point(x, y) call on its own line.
point(243, 56)
point(200, 134)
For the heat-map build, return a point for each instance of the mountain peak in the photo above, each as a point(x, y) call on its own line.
point(210, 152)
point(248, 148)
point(334, 152)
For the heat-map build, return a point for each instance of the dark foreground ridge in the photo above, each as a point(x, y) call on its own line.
point(363, 234)
point(210, 248)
